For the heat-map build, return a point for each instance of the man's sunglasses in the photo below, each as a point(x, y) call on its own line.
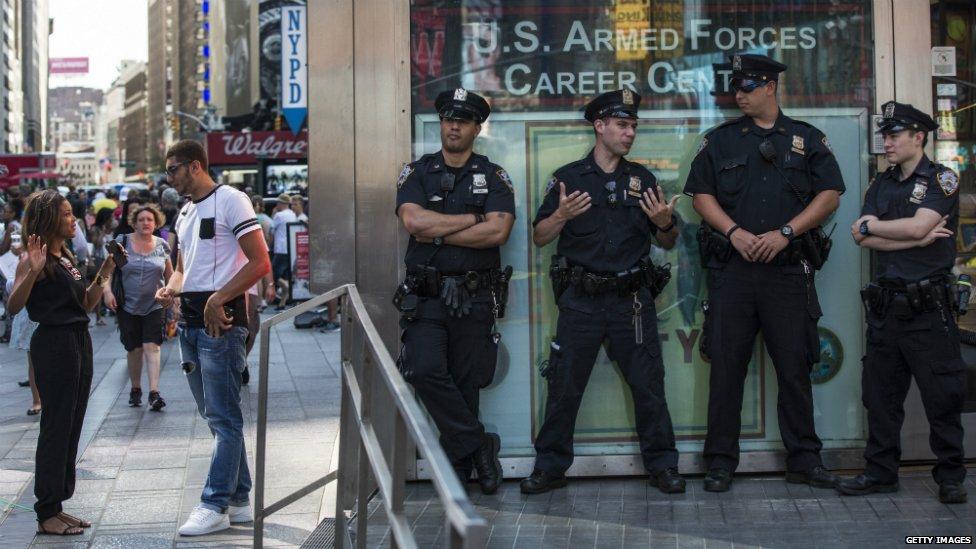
point(747, 85)
point(173, 168)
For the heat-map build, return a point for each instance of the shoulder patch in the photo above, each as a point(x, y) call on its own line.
point(404, 174)
point(826, 143)
point(948, 181)
point(550, 185)
point(503, 175)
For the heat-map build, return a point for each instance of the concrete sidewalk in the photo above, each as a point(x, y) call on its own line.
point(141, 472)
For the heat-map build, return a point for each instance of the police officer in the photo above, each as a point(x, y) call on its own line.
point(459, 208)
point(604, 209)
point(909, 212)
point(763, 183)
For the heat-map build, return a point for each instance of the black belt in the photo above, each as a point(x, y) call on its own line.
point(931, 294)
point(472, 280)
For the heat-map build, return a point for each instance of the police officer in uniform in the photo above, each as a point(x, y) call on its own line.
point(763, 183)
point(604, 209)
point(910, 211)
point(459, 209)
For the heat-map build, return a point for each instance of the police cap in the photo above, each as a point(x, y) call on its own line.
point(461, 104)
point(755, 67)
point(896, 117)
point(617, 104)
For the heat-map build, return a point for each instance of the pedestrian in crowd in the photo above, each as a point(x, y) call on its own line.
point(459, 209)
point(298, 206)
point(79, 242)
point(605, 209)
point(910, 212)
point(763, 184)
point(123, 226)
point(101, 234)
point(280, 266)
point(263, 219)
point(222, 253)
point(264, 288)
point(141, 319)
point(11, 214)
point(53, 291)
point(19, 336)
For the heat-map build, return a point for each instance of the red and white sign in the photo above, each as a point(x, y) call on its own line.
point(245, 148)
point(68, 65)
point(302, 264)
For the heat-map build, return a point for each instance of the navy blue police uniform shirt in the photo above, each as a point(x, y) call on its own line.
point(932, 186)
point(750, 190)
point(614, 234)
point(480, 186)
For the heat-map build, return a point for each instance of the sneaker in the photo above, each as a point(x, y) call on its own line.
point(135, 397)
point(204, 521)
point(240, 514)
point(156, 402)
point(330, 327)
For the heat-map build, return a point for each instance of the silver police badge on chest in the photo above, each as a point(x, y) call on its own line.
point(480, 184)
point(634, 187)
point(798, 145)
point(918, 193)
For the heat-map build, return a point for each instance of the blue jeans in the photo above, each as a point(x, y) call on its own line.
point(216, 385)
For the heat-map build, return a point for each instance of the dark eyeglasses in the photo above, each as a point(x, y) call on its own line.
point(611, 188)
point(173, 168)
point(747, 85)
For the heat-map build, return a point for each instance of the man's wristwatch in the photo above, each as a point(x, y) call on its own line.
point(787, 231)
point(438, 241)
point(863, 229)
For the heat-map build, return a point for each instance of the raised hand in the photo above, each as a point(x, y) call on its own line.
point(36, 253)
point(573, 205)
point(657, 209)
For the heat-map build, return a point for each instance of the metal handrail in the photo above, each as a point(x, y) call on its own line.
point(361, 455)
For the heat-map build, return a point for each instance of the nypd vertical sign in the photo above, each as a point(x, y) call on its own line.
point(294, 72)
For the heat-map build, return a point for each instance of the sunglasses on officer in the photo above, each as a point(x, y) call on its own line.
point(747, 85)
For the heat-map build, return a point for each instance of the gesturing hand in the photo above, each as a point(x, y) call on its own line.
point(573, 205)
point(36, 253)
point(657, 210)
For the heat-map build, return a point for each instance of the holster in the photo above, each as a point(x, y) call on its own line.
point(500, 282)
point(815, 246)
point(559, 275)
point(713, 245)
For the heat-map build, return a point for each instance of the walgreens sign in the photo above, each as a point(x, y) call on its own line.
point(244, 148)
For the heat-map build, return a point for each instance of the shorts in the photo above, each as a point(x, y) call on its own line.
point(138, 329)
point(281, 267)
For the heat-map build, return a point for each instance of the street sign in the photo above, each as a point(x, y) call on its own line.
point(294, 72)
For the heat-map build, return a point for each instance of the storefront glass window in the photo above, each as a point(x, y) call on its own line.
point(538, 62)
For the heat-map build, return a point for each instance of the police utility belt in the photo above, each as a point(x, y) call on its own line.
point(932, 294)
point(428, 282)
point(812, 247)
point(643, 275)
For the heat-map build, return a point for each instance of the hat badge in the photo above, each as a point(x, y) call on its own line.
point(460, 94)
point(736, 63)
point(628, 97)
point(889, 110)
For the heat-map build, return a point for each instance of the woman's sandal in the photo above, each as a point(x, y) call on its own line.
point(73, 520)
point(68, 530)
point(33, 411)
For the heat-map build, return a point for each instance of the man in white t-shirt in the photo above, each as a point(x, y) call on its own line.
point(222, 253)
point(280, 266)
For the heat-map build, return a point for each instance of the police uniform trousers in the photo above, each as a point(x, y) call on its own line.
point(926, 347)
point(584, 323)
point(781, 302)
point(448, 361)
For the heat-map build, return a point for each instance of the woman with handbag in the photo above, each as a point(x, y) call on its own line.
point(131, 295)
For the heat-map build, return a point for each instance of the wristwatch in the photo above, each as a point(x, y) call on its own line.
point(787, 231)
point(863, 229)
point(438, 241)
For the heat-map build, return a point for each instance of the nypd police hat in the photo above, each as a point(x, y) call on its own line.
point(616, 104)
point(896, 117)
point(755, 67)
point(461, 104)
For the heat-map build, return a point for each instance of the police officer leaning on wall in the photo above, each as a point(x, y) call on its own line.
point(763, 183)
point(604, 209)
point(459, 209)
point(910, 211)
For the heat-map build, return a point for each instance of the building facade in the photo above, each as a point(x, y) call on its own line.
point(133, 137)
point(72, 118)
point(35, 33)
point(538, 62)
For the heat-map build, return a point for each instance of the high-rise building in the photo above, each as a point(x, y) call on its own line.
point(12, 107)
point(132, 130)
point(72, 118)
point(35, 32)
point(109, 141)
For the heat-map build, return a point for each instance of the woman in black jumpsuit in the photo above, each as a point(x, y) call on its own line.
point(53, 290)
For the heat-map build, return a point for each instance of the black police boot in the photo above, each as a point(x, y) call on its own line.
point(865, 484)
point(668, 481)
point(718, 480)
point(951, 492)
point(540, 482)
point(818, 477)
point(463, 472)
point(487, 464)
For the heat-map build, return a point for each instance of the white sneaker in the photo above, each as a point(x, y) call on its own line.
point(240, 514)
point(204, 521)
